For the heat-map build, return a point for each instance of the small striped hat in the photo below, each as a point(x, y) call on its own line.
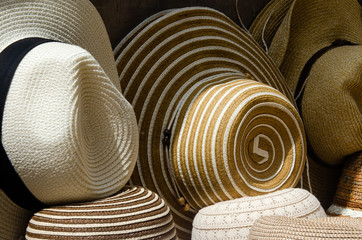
point(283, 227)
point(135, 213)
point(233, 219)
point(215, 117)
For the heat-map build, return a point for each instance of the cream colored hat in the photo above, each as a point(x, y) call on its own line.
point(134, 213)
point(282, 227)
point(233, 219)
point(67, 132)
point(215, 117)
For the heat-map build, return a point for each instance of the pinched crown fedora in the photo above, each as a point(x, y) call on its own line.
point(317, 46)
point(67, 132)
point(216, 120)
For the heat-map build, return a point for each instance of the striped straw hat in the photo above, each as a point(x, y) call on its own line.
point(216, 120)
point(282, 227)
point(67, 132)
point(135, 213)
point(318, 49)
point(348, 198)
point(233, 219)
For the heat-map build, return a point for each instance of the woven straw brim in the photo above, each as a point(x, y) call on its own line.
point(348, 198)
point(233, 219)
point(13, 219)
point(313, 25)
point(268, 21)
point(135, 213)
point(75, 22)
point(331, 105)
point(281, 227)
point(167, 63)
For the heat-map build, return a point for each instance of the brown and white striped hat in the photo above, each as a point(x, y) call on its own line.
point(215, 117)
point(283, 227)
point(135, 213)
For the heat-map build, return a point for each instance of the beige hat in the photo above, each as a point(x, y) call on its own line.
point(135, 213)
point(282, 227)
point(67, 132)
point(348, 198)
point(233, 219)
point(310, 47)
point(215, 117)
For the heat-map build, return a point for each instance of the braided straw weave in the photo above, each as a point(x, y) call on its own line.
point(135, 213)
point(232, 219)
point(282, 227)
point(211, 129)
point(348, 198)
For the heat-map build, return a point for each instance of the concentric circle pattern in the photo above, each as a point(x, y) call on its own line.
point(135, 213)
point(162, 64)
point(235, 137)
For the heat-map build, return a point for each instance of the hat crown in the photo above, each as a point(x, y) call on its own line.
point(71, 136)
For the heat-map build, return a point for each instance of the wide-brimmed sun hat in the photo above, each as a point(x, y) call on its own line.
point(134, 213)
point(317, 46)
point(283, 227)
point(233, 219)
point(67, 132)
point(216, 119)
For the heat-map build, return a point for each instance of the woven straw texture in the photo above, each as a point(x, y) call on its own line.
point(13, 220)
point(281, 227)
point(188, 72)
point(348, 198)
point(67, 129)
point(135, 213)
point(233, 219)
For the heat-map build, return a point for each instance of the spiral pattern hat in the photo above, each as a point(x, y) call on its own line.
point(67, 133)
point(282, 227)
point(135, 213)
point(233, 219)
point(216, 120)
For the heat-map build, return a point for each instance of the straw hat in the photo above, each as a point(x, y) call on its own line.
point(135, 213)
point(348, 198)
point(233, 219)
point(216, 120)
point(282, 227)
point(67, 132)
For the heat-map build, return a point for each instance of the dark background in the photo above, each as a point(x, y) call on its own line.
point(121, 16)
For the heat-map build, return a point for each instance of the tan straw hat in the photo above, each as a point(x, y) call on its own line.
point(233, 219)
point(216, 120)
point(317, 47)
point(282, 227)
point(67, 132)
point(348, 198)
point(135, 213)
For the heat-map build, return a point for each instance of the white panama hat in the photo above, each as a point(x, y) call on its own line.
point(67, 132)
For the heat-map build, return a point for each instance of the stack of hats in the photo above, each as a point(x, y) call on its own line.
point(68, 136)
point(216, 119)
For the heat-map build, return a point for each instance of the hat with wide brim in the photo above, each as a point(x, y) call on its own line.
point(216, 119)
point(233, 219)
point(348, 197)
point(282, 227)
point(317, 49)
point(135, 213)
point(67, 132)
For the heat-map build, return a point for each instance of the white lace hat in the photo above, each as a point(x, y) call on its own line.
point(67, 132)
point(233, 219)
